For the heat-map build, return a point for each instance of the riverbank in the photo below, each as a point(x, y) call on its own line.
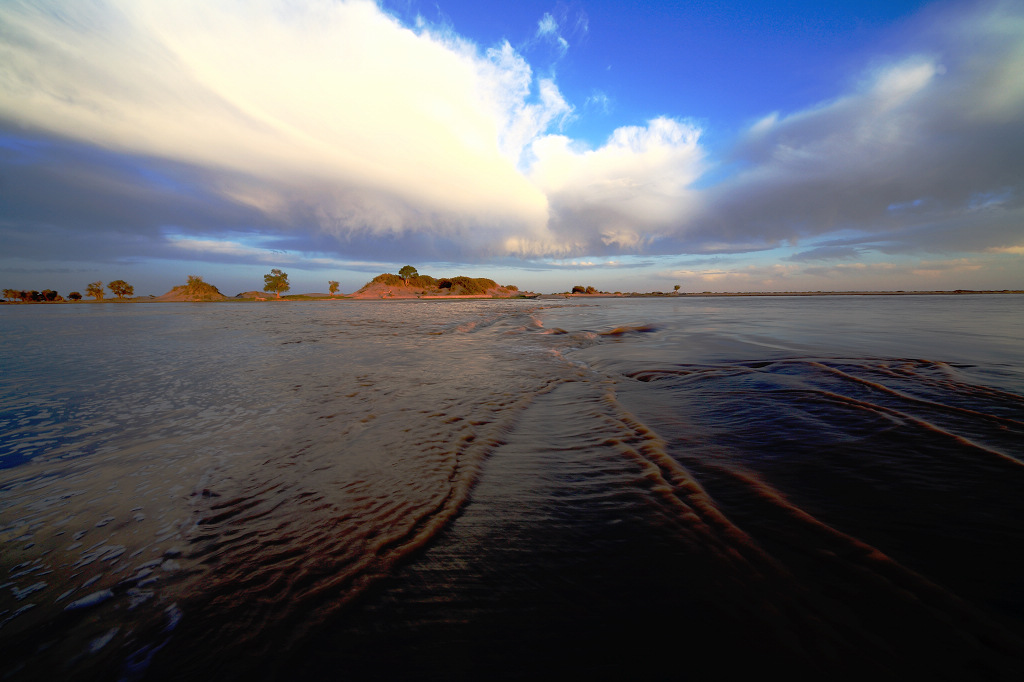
point(392, 293)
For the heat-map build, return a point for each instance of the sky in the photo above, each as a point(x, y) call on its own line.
point(718, 146)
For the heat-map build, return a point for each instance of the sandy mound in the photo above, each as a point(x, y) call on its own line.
point(182, 294)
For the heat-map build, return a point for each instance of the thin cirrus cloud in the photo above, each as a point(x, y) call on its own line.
point(547, 29)
point(332, 127)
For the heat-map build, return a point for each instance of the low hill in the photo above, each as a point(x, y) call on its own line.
point(424, 286)
point(195, 291)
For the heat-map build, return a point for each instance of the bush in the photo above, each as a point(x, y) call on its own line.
point(386, 278)
point(423, 282)
point(462, 285)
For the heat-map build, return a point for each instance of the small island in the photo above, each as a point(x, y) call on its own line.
point(194, 291)
point(408, 283)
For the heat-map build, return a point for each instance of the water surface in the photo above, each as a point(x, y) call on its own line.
point(497, 489)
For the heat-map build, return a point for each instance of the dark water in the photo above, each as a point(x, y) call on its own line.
point(605, 489)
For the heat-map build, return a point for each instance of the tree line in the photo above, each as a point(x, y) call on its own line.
point(118, 287)
point(276, 281)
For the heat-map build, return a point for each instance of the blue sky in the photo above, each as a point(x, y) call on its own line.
point(720, 146)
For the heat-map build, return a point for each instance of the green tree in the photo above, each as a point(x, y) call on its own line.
point(121, 288)
point(95, 289)
point(407, 272)
point(332, 286)
point(677, 288)
point(276, 281)
point(75, 296)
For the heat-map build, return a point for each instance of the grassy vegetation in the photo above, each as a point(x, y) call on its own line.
point(198, 290)
point(466, 285)
point(454, 286)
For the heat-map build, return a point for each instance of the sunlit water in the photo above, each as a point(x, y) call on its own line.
point(605, 488)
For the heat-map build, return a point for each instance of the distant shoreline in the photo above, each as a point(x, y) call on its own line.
point(713, 294)
point(544, 297)
point(851, 293)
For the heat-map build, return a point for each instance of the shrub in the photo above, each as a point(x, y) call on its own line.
point(386, 278)
point(423, 282)
point(462, 285)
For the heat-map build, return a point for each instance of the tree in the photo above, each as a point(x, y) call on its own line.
point(121, 288)
point(94, 289)
point(50, 295)
point(75, 296)
point(677, 288)
point(407, 272)
point(332, 286)
point(11, 294)
point(276, 281)
point(578, 289)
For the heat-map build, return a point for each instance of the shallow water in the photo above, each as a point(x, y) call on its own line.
point(495, 489)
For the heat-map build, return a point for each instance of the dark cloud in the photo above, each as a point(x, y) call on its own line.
point(69, 201)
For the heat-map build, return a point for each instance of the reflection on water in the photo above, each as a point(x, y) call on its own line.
point(488, 489)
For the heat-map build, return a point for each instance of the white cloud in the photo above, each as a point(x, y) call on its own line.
point(332, 113)
point(1013, 250)
point(628, 191)
point(547, 29)
point(329, 117)
point(600, 101)
point(333, 106)
point(229, 248)
point(506, 82)
point(547, 25)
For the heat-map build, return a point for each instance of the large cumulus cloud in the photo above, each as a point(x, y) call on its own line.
point(331, 127)
point(330, 111)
